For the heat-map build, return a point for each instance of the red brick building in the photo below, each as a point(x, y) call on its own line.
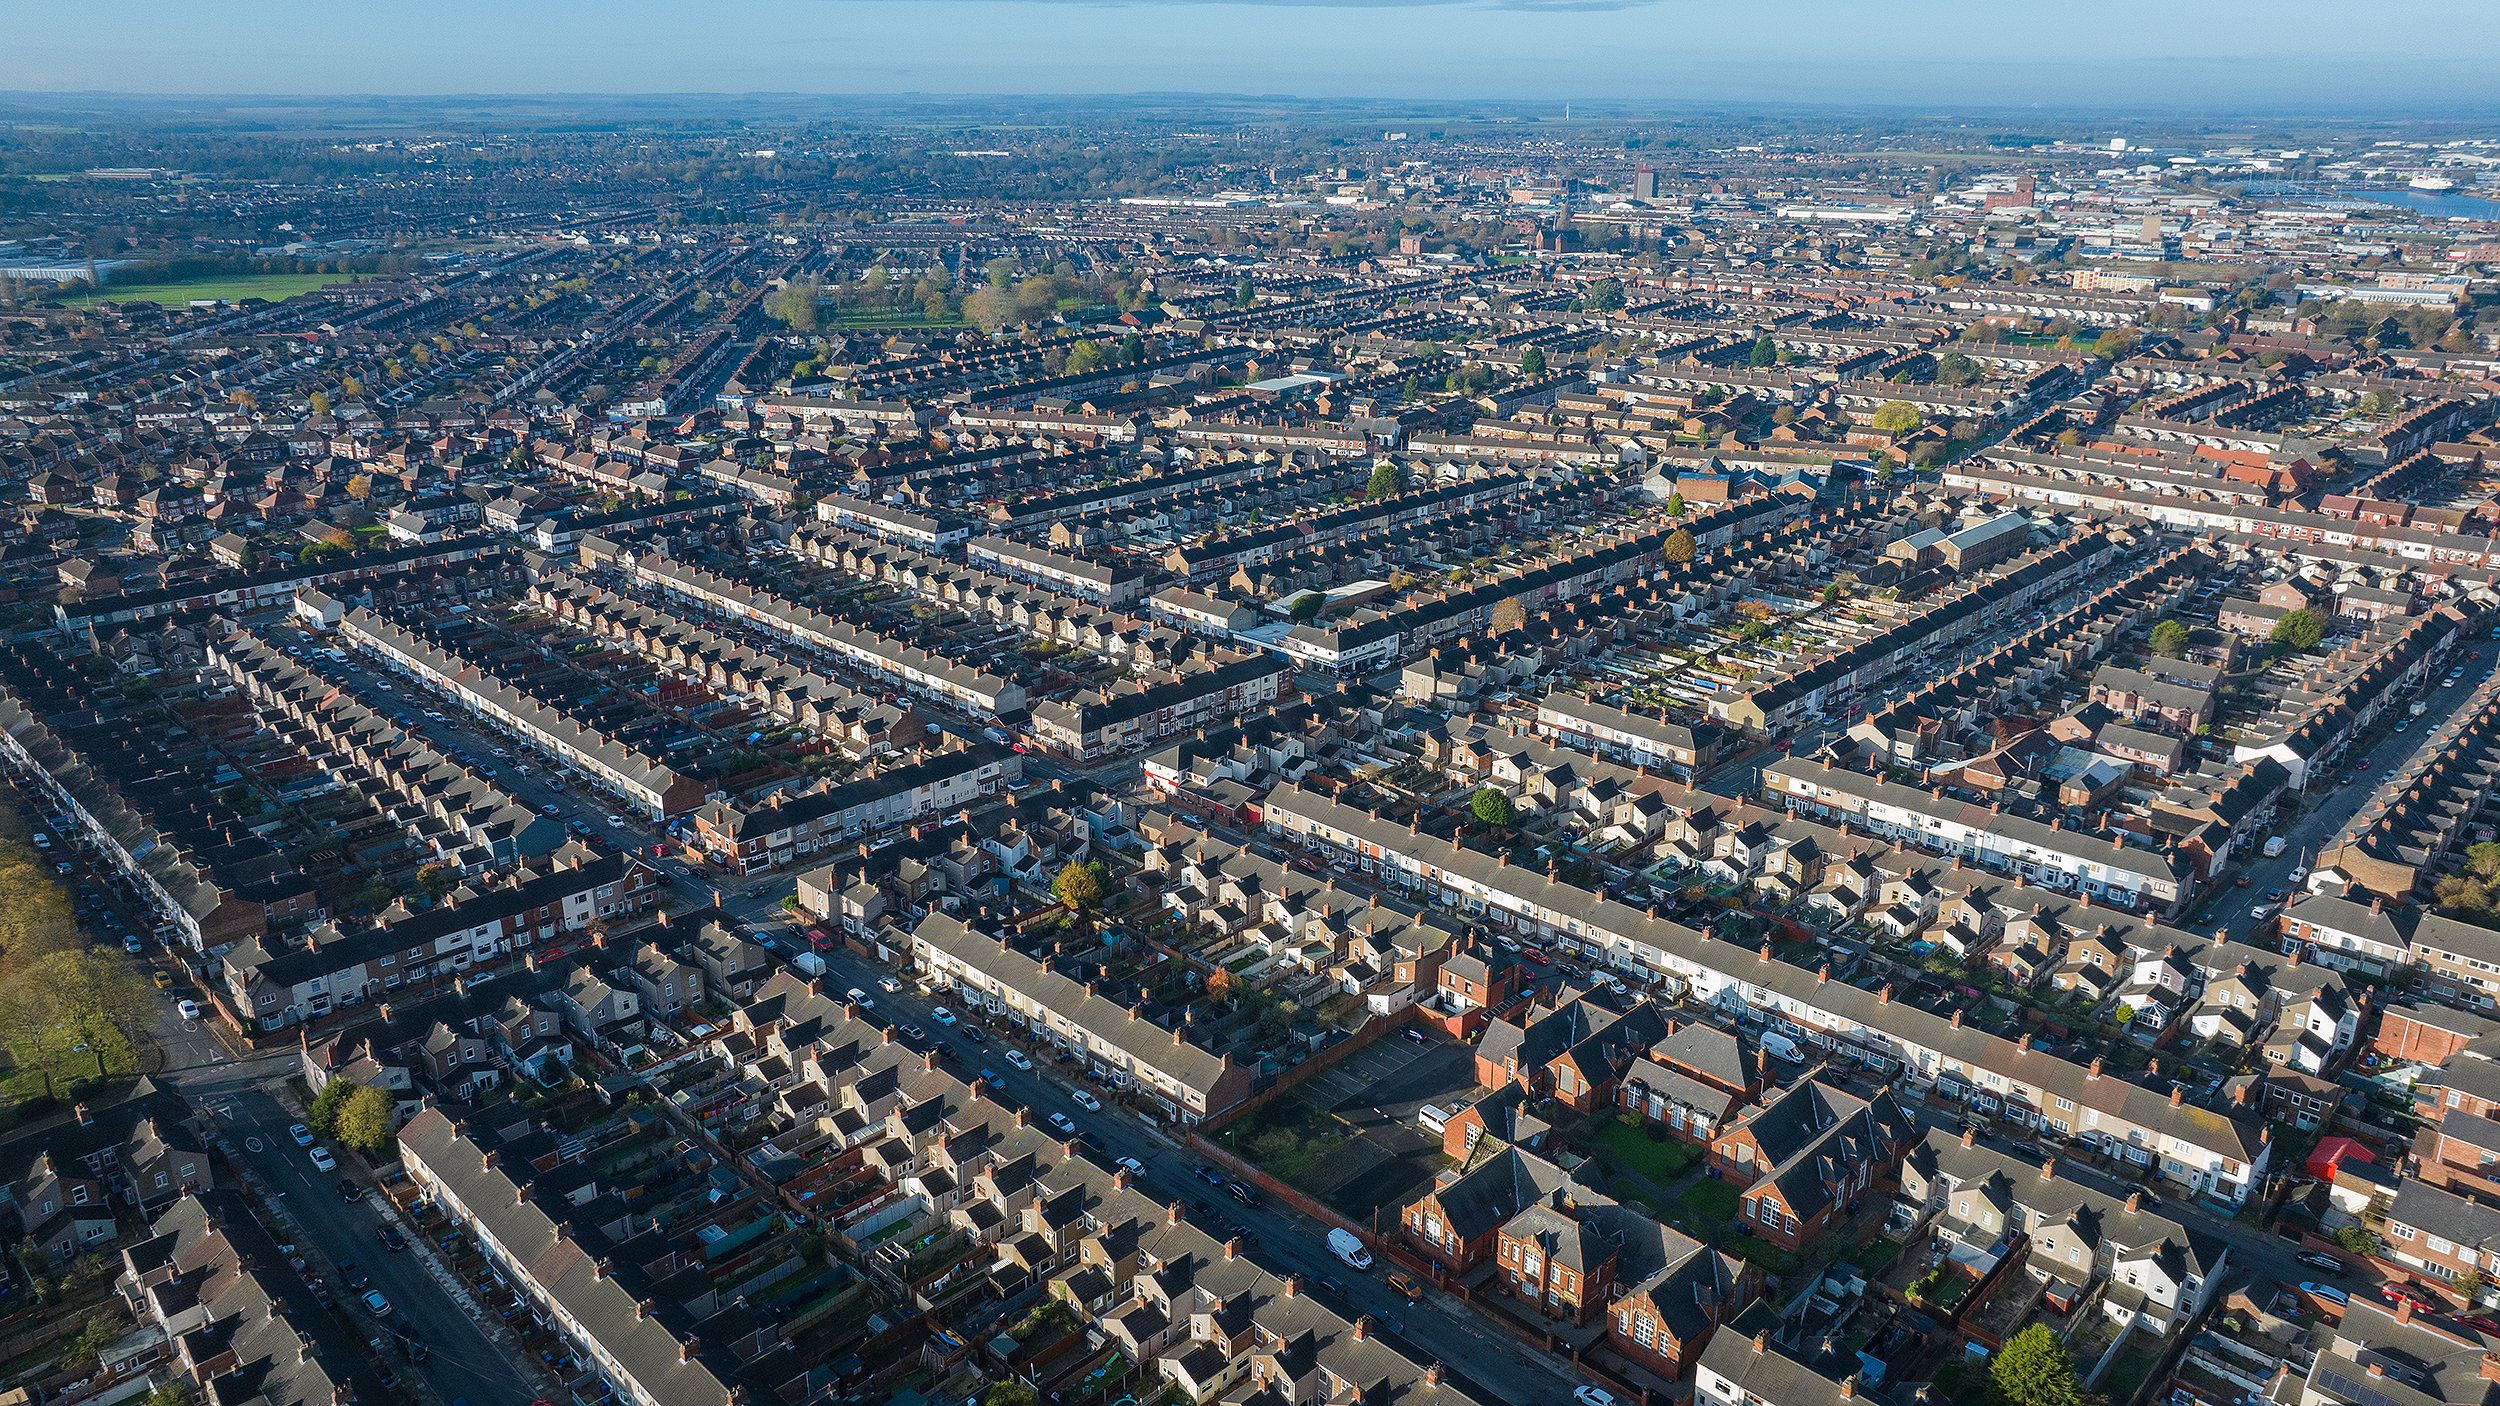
point(1808, 1154)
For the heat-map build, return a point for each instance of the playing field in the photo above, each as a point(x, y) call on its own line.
point(234, 288)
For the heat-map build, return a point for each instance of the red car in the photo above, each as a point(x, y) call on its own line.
point(2406, 1293)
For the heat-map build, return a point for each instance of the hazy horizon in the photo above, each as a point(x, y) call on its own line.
point(2306, 55)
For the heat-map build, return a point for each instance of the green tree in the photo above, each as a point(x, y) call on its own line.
point(2033, 1370)
point(365, 1121)
point(2124, 1015)
point(2301, 629)
point(1765, 353)
point(101, 1330)
point(1897, 417)
point(1675, 505)
point(1388, 481)
point(1532, 362)
point(1955, 369)
point(1132, 350)
point(1079, 886)
point(1679, 545)
point(175, 1392)
point(2483, 860)
point(1306, 606)
point(1084, 357)
point(795, 304)
point(2357, 1239)
point(1605, 295)
point(1245, 294)
point(1492, 807)
point(1010, 1393)
point(990, 308)
point(323, 1117)
point(320, 403)
point(2170, 639)
point(2115, 343)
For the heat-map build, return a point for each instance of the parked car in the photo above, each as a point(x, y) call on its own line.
point(390, 1238)
point(1592, 1396)
point(1019, 1060)
point(861, 999)
point(1209, 1175)
point(942, 1015)
point(349, 1190)
point(2406, 1293)
point(2322, 1262)
point(1243, 1192)
point(189, 1010)
point(322, 1160)
point(302, 1135)
point(1132, 1166)
point(352, 1276)
point(1086, 1101)
point(1063, 1123)
point(374, 1301)
point(1406, 1287)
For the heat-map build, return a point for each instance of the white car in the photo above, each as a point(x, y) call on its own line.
point(861, 999)
point(1019, 1060)
point(322, 1160)
point(1132, 1166)
point(2262, 911)
point(1592, 1396)
point(2300, 873)
point(889, 985)
point(1063, 1122)
point(1086, 1101)
point(189, 1009)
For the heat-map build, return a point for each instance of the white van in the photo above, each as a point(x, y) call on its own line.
point(1348, 1246)
point(1432, 1117)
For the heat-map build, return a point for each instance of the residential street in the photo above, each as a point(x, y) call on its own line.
point(239, 1097)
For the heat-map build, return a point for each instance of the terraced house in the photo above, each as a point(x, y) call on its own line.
point(2097, 863)
point(648, 785)
point(270, 984)
point(1189, 1082)
point(2158, 1270)
point(788, 829)
point(914, 669)
point(2220, 1153)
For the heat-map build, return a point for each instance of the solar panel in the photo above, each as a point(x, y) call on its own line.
point(2358, 1393)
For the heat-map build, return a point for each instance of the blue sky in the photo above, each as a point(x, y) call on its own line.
point(2361, 54)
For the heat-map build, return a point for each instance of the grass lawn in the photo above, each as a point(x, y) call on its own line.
point(1874, 1257)
point(1661, 1162)
point(1287, 1138)
point(1715, 1200)
point(233, 287)
point(901, 321)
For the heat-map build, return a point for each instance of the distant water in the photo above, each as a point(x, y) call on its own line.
point(2441, 203)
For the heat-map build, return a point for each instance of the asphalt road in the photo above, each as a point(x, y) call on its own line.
point(238, 1098)
point(2322, 819)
